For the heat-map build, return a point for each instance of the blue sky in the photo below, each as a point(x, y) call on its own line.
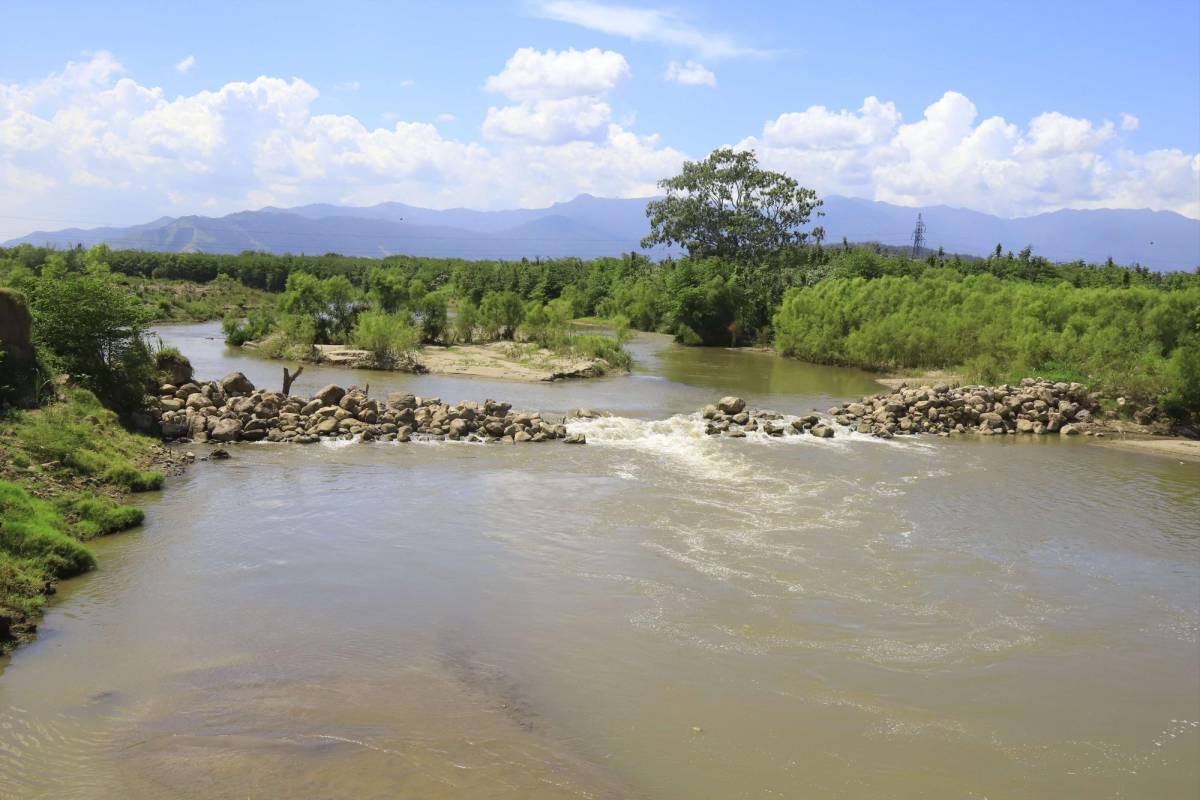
point(1097, 104)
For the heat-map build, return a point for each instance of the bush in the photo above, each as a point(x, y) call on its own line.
point(466, 316)
point(500, 313)
point(390, 337)
point(93, 328)
point(432, 309)
point(592, 345)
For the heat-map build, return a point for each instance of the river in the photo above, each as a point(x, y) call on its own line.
point(656, 614)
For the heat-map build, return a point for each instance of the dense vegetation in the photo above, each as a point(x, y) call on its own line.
point(1139, 340)
point(998, 317)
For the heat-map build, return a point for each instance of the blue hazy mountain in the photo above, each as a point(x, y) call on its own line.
point(588, 227)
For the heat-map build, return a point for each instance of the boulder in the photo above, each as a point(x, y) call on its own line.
point(236, 383)
point(400, 400)
point(226, 430)
point(575, 438)
point(823, 431)
point(330, 395)
point(731, 405)
point(198, 401)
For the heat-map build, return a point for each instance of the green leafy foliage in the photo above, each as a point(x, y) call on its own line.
point(1136, 341)
point(390, 337)
point(94, 331)
point(500, 313)
point(727, 206)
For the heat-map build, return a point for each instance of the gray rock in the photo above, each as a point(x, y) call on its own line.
point(236, 383)
point(227, 430)
point(330, 395)
point(731, 405)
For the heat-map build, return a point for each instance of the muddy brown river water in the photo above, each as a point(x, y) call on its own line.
point(656, 614)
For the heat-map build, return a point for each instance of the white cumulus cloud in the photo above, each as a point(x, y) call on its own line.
point(951, 157)
point(186, 64)
point(549, 121)
point(690, 73)
point(547, 75)
point(1129, 122)
point(90, 146)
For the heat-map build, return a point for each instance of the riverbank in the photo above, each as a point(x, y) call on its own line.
point(501, 360)
point(1179, 449)
point(67, 472)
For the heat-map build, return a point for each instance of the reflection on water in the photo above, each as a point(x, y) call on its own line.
point(658, 614)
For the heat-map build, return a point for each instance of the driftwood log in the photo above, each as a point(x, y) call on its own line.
point(288, 379)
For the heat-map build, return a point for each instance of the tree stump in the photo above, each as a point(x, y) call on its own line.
point(289, 378)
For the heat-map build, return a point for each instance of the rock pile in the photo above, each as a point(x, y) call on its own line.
point(1035, 407)
point(232, 409)
point(730, 417)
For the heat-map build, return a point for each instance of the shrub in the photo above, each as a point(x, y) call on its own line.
point(390, 337)
point(466, 316)
point(94, 329)
point(593, 345)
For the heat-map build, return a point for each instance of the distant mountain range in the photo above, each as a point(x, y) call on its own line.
point(593, 226)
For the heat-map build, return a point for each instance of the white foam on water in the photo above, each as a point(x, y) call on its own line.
point(338, 444)
point(679, 439)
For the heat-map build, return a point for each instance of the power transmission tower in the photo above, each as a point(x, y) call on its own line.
point(918, 237)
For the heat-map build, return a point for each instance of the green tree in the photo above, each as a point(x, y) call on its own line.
point(432, 310)
point(726, 206)
point(94, 330)
point(390, 337)
point(466, 317)
point(501, 313)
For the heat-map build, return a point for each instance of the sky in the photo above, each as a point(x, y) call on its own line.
point(122, 112)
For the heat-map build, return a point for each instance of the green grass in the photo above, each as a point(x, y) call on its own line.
point(98, 516)
point(63, 469)
point(85, 438)
point(35, 532)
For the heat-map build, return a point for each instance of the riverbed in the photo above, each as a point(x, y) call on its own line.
point(657, 614)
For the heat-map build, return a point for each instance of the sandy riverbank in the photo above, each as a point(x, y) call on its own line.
point(1179, 449)
point(503, 360)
